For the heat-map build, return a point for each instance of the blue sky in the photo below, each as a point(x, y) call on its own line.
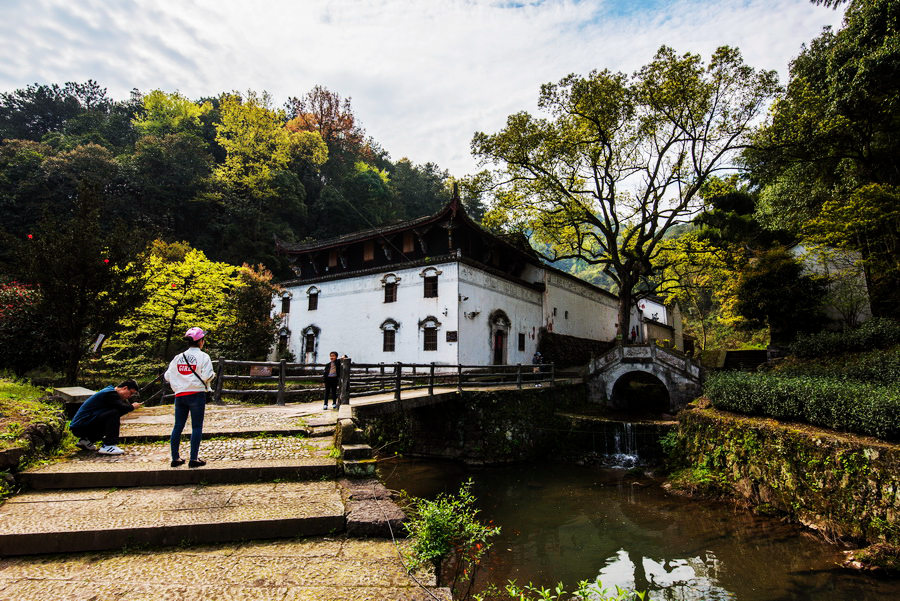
point(423, 75)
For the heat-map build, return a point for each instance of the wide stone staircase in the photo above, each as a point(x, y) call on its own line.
point(132, 527)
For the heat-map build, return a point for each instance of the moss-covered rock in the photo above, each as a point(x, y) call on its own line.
point(842, 485)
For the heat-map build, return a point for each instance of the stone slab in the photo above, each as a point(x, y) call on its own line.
point(356, 451)
point(320, 569)
point(230, 460)
point(371, 511)
point(155, 423)
point(96, 519)
point(73, 394)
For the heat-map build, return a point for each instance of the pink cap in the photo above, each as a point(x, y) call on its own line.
point(194, 334)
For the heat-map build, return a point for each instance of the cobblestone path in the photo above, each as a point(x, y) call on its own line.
point(320, 569)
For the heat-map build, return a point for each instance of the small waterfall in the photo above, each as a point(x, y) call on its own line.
point(621, 449)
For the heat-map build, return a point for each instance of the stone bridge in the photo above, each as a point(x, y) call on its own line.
point(676, 372)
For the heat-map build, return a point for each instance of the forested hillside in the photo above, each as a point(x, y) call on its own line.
point(134, 216)
point(227, 173)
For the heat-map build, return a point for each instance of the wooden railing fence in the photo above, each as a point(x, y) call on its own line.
point(367, 379)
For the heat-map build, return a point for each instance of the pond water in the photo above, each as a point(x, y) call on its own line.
point(568, 523)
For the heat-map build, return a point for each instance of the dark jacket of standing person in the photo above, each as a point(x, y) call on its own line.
point(337, 370)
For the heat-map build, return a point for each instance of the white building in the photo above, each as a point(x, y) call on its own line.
point(434, 289)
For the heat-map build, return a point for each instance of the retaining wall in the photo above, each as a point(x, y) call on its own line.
point(843, 486)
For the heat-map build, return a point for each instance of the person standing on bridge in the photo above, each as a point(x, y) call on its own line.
point(189, 374)
point(332, 374)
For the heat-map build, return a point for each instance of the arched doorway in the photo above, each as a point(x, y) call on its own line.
point(641, 393)
point(499, 324)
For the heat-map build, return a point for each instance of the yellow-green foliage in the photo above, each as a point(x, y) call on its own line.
point(20, 406)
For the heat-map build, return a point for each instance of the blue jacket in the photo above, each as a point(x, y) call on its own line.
point(97, 403)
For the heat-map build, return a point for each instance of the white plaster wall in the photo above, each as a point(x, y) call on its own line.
point(592, 314)
point(483, 293)
point(650, 308)
point(350, 312)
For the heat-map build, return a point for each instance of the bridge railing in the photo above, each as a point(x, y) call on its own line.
point(367, 379)
point(283, 379)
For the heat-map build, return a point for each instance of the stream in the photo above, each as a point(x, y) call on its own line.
point(568, 523)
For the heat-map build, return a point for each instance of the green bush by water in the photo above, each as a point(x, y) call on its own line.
point(849, 405)
point(447, 535)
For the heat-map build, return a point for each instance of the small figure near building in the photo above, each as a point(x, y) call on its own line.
point(332, 375)
point(99, 417)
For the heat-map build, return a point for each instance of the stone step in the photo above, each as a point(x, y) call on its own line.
point(240, 421)
point(97, 519)
point(230, 460)
point(371, 511)
point(359, 468)
point(356, 451)
point(316, 569)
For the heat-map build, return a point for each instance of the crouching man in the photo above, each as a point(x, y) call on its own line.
point(98, 417)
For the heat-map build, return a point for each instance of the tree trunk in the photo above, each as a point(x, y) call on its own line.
point(624, 315)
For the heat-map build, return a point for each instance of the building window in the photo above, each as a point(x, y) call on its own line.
point(390, 292)
point(283, 338)
point(389, 335)
point(430, 339)
point(312, 295)
point(369, 251)
point(567, 315)
point(521, 342)
point(429, 327)
point(332, 258)
point(554, 311)
point(408, 243)
point(431, 287)
point(286, 303)
point(390, 338)
point(429, 276)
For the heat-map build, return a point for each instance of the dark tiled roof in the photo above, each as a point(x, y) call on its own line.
point(375, 232)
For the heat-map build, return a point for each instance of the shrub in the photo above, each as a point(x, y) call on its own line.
point(447, 535)
point(876, 333)
point(880, 366)
point(849, 405)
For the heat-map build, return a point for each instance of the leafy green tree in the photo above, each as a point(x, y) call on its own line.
point(165, 114)
point(620, 160)
point(88, 269)
point(169, 177)
point(775, 292)
point(419, 189)
point(30, 113)
point(835, 133)
point(182, 290)
point(24, 343)
point(248, 329)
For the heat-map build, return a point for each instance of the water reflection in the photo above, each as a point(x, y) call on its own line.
point(692, 579)
point(563, 523)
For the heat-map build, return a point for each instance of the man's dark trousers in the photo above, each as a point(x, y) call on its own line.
point(105, 426)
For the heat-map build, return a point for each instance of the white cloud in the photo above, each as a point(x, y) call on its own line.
point(423, 76)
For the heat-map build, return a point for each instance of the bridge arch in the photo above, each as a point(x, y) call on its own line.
point(647, 367)
point(641, 391)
